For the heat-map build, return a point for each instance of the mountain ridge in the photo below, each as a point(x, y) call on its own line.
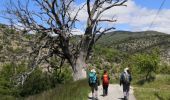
point(133, 42)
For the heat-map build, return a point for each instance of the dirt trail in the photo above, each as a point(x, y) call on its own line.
point(114, 93)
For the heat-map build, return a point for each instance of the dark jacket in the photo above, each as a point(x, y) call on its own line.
point(123, 80)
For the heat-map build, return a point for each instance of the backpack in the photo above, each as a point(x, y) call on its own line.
point(92, 78)
point(125, 78)
point(105, 79)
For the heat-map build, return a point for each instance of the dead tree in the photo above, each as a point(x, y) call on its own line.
point(54, 17)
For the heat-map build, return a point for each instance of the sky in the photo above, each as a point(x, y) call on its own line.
point(137, 16)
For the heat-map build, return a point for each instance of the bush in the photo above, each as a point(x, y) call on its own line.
point(40, 81)
point(145, 64)
point(62, 75)
point(7, 84)
point(164, 68)
point(37, 82)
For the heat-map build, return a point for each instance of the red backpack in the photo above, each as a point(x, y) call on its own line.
point(105, 79)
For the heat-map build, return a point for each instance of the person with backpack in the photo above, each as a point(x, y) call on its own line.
point(125, 80)
point(105, 82)
point(93, 83)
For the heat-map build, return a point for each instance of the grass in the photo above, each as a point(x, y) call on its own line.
point(155, 90)
point(7, 97)
point(74, 91)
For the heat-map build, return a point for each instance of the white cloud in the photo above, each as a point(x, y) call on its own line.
point(137, 17)
point(140, 18)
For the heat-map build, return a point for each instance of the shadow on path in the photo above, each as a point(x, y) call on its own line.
point(121, 98)
point(102, 95)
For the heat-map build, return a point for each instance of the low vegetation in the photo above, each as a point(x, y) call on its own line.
point(154, 90)
point(36, 83)
point(149, 80)
point(70, 91)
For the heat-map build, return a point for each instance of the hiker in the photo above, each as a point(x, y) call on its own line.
point(105, 82)
point(125, 80)
point(94, 83)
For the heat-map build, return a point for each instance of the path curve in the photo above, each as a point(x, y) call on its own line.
point(115, 92)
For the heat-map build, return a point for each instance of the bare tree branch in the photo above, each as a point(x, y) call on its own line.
point(107, 20)
point(103, 32)
point(54, 17)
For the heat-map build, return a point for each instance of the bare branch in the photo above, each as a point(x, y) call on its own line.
point(114, 4)
point(74, 18)
point(106, 20)
point(104, 32)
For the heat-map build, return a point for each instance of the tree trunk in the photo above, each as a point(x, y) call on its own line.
point(80, 68)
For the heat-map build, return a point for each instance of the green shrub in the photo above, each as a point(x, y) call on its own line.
point(62, 75)
point(35, 83)
point(7, 83)
point(40, 81)
point(78, 90)
point(164, 68)
point(144, 65)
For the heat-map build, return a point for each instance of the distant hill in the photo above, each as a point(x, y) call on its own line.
point(116, 36)
point(132, 42)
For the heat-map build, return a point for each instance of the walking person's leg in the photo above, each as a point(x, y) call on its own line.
point(125, 91)
point(106, 89)
point(96, 93)
point(92, 89)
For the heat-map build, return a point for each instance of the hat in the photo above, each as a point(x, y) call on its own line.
point(93, 70)
point(126, 69)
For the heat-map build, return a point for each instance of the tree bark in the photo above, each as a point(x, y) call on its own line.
point(79, 68)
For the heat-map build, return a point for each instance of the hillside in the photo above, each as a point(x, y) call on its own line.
point(109, 52)
point(13, 45)
point(133, 42)
point(116, 36)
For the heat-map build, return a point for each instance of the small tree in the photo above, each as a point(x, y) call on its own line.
point(146, 64)
point(59, 20)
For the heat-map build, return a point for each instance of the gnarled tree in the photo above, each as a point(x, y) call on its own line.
point(49, 17)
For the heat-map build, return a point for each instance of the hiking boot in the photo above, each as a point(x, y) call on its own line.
point(125, 98)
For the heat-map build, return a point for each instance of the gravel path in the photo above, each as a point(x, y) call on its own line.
point(114, 93)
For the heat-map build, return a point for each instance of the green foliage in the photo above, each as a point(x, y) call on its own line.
point(164, 68)
point(111, 38)
point(40, 81)
point(35, 83)
point(7, 97)
point(7, 83)
point(62, 75)
point(144, 65)
point(108, 54)
point(155, 90)
point(71, 91)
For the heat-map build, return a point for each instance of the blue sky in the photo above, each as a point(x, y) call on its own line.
point(153, 4)
point(132, 19)
point(149, 4)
